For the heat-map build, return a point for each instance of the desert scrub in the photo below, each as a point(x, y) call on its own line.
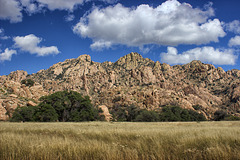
point(104, 141)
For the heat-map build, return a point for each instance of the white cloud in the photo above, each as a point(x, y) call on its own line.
point(10, 10)
point(100, 45)
point(171, 23)
point(2, 36)
point(69, 5)
point(233, 26)
point(31, 7)
point(234, 41)
point(61, 4)
point(204, 54)
point(30, 43)
point(7, 55)
point(69, 17)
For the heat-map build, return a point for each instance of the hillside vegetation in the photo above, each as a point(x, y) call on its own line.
point(120, 141)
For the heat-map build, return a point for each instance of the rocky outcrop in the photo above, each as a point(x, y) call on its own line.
point(105, 112)
point(130, 80)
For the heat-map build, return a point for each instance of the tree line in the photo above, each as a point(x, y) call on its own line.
point(166, 114)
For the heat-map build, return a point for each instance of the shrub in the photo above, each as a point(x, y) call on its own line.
point(124, 112)
point(116, 99)
point(197, 107)
point(232, 118)
point(219, 115)
point(174, 113)
point(147, 116)
point(28, 82)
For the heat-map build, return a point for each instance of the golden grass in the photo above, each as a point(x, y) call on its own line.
point(110, 141)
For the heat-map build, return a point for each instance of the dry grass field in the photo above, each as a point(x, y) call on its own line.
point(128, 141)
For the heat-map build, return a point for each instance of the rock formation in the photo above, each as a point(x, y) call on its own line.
point(130, 80)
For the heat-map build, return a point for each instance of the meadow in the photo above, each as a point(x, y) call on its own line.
point(120, 140)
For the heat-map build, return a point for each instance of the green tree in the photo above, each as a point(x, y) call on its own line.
point(175, 113)
point(132, 112)
point(60, 106)
point(170, 114)
point(147, 116)
point(24, 114)
point(194, 116)
point(46, 113)
point(71, 106)
point(125, 112)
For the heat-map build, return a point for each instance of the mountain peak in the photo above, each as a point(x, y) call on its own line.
point(133, 56)
point(196, 62)
point(84, 57)
point(130, 60)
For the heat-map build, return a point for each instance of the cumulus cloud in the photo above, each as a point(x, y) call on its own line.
point(30, 43)
point(10, 10)
point(204, 54)
point(171, 23)
point(233, 26)
point(235, 41)
point(7, 55)
point(31, 6)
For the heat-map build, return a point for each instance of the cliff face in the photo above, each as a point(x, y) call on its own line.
point(130, 80)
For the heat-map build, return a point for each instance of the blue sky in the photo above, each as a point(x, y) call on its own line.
point(35, 34)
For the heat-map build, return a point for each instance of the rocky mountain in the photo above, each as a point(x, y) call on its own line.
point(130, 80)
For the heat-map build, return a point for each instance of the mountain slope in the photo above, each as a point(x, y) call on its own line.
point(130, 80)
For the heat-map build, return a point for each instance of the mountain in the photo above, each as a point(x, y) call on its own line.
point(130, 80)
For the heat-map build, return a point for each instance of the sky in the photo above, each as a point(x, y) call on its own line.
point(35, 34)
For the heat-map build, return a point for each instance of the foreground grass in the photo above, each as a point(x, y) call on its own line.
point(107, 141)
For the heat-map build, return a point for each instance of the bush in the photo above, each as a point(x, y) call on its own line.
point(197, 107)
point(219, 115)
point(174, 113)
point(28, 82)
point(147, 116)
point(232, 118)
point(124, 112)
